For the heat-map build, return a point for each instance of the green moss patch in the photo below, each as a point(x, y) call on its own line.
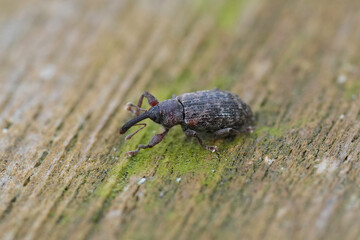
point(229, 13)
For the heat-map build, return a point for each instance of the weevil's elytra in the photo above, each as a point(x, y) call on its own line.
point(216, 112)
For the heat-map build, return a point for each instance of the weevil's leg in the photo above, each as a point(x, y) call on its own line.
point(151, 99)
point(192, 133)
point(155, 140)
point(226, 132)
point(250, 129)
point(136, 110)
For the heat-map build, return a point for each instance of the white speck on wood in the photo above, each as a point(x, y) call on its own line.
point(328, 165)
point(341, 79)
point(48, 72)
point(141, 181)
point(268, 160)
point(114, 214)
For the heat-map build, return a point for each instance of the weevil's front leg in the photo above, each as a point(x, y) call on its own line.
point(226, 132)
point(136, 109)
point(155, 140)
point(192, 133)
point(151, 99)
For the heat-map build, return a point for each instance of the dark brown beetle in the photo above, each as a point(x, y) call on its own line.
point(216, 112)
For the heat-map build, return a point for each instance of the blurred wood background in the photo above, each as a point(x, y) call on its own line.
point(67, 68)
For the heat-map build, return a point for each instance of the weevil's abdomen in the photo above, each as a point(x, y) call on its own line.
point(209, 111)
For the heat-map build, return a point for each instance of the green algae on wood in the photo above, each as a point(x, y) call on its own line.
point(229, 13)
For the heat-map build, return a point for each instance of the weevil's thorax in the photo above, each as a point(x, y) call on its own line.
point(167, 113)
point(171, 112)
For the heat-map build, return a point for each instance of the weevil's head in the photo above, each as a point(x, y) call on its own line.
point(167, 113)
point(154, 113)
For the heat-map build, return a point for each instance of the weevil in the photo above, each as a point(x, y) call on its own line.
point(215, 112)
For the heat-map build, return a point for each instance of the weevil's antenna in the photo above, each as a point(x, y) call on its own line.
point(131, 135)
point(133, 122)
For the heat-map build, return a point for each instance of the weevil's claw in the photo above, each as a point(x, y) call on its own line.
point(128, 106)
point(250, 129)
point(212, 148)
point(135, 110)
point(131, 153)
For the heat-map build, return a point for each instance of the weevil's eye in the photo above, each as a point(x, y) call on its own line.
point(154, 114)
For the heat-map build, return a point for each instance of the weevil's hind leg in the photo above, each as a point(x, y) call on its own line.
point(155, 140)
point(226, 132)
point(192, 133)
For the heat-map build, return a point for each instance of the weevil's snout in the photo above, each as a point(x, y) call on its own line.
point(133, 122)
point(122, 130)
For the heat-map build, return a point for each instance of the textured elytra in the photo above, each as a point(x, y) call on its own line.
point(209, 111)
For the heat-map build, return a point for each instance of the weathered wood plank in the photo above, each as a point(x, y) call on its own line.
point(68, 68)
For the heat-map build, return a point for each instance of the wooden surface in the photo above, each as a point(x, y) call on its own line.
point(67, 68)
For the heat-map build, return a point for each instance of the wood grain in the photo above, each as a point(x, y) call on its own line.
point(67, 68)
